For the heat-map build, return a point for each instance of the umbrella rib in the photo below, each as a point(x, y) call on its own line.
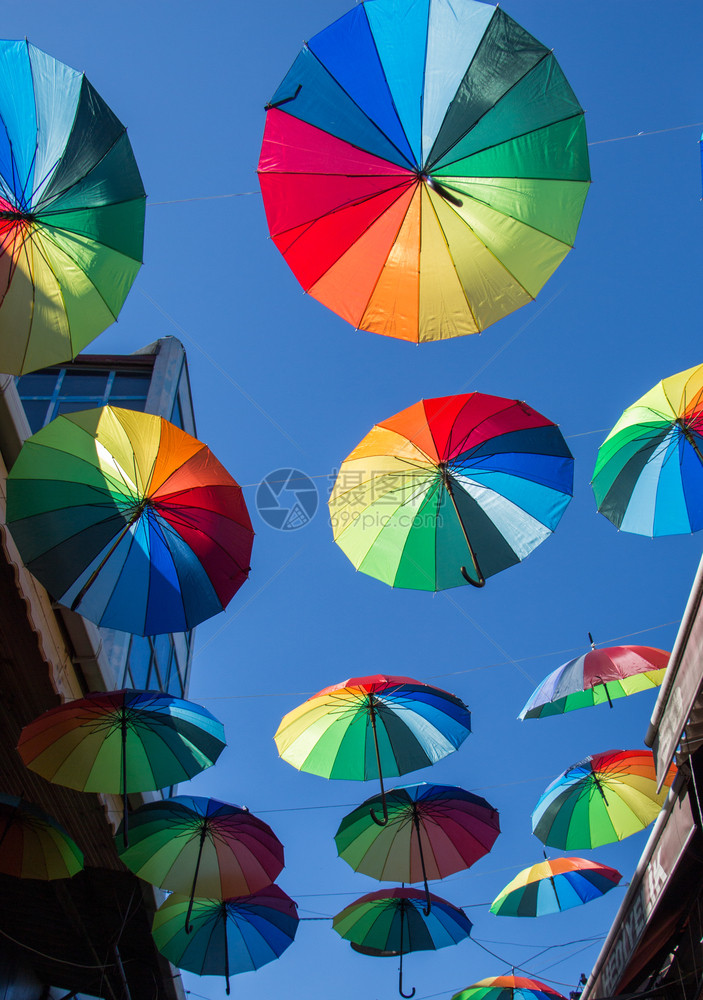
point(440, 156)
point(512, 138)
point(375, 124)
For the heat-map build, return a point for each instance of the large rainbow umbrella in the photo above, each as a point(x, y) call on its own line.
point(424, 167)
point(228, 936)
point(508, 988)
point(601, 799)
point(450, 491)
point(122, 741)
point(395, 922)
point(201, 846)
point(128, 520)
point(371, 727)
point(553, 885)
point(433, 831)
point(599, 676)
point(33, 844)
point(648, 477)
point(71, 211)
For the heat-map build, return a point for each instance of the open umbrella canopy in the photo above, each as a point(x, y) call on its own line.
point(228, 936)
point(553, 885)
point(208, 848)
point(394, 921)
point(373, 727)
point(433, 831)
point(508, 988)
point(451, 491)
point(648, 477)
point(71, 211)
point(598, 676)
point(424, 167)
point(600, 800)
point(33, 844)
point(117, 741)
point(128, 520)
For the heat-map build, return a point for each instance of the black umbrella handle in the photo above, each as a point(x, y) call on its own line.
point(224, 925)
point(428, 901)
point(125, 800)
point(203, 835)
point(480, 580)
point(400, 967)
point(374, 817)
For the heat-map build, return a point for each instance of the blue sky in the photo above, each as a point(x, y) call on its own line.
point(278, 381)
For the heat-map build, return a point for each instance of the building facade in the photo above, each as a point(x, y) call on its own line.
point(89, 935)
point(655, 946)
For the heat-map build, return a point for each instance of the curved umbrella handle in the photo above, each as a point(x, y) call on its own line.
point(481, 582)
point(400, 968)
point(374, 817)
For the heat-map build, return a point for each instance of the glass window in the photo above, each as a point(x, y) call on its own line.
point(36, 412)
point(181, 642)
point(131, 384)
point(73, 405)
point(84, 383)
point(38, 383)
point(138, 661)
point(177, 414)
point(175, 684)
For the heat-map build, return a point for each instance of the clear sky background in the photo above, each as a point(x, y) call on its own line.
point(280, 381)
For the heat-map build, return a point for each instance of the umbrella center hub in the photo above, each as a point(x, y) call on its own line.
point(16, 216)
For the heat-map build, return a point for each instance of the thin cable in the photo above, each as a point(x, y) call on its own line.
point(222, 371)
point(205, 197)
point(638, 135)
point(52, 958)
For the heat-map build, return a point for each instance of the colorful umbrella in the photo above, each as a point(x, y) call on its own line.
point(201, 846)
point(648, 477)
point(508, 988)
point(129, 520)
point(554, 885)
point(424, 167)
point(228, 936)
point(393, 921)
point(33, 844)
point(432, 831)
point(368, 727)
point(71, 211)
point(121, 742)
point(471, 478)
point(603, 798)
point(596, 677)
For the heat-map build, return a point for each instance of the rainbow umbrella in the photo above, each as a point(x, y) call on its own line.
point(121, 742)
point(553, 885)
point(200, 846)
point(648, 477)
point(508, 988)
point(71, 211)
point(33, 844)
point(596, 677)
point(424, 167)
point(394, 922)
point(471, 479)
point(129, 520)
point(228, 936)
point(368, 727)
point(433, 831)
point(601, 799)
